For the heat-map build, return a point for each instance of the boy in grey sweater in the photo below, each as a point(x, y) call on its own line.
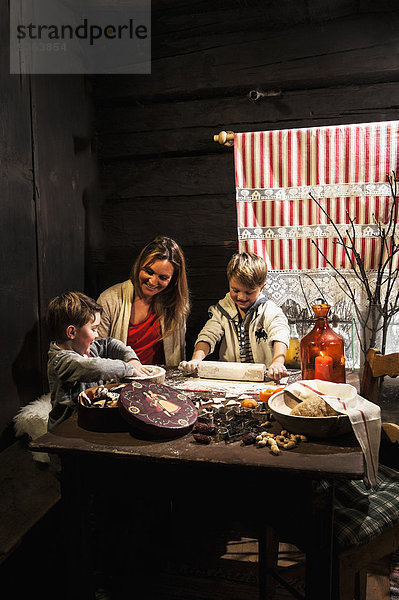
point(76, 360)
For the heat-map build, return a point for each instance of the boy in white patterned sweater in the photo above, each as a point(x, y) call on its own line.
point(249, 326)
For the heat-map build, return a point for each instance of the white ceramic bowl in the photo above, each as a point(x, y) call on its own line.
point(280, 406)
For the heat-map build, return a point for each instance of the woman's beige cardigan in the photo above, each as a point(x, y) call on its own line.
point(117, 304)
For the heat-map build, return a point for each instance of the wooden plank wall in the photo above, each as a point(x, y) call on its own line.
point(334, 61)
point(47, 175)
point(65, 172)
point(19, 306)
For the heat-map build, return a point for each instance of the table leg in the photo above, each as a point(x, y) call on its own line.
point(268, 544)
point(320, 547)
point(78, 581)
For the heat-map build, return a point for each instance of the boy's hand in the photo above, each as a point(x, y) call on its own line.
point(276, 371)
point(189, 366)
point(139, 370)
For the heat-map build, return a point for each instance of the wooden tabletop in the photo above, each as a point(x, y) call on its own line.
point(315, 459)
point(311, 459)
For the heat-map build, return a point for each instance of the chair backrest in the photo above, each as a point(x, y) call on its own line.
point(377, 365)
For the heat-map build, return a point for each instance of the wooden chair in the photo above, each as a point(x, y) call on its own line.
point(377, 365)
point(350, 564)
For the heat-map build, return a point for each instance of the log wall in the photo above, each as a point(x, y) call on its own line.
point(325, 62)
point(47, 175)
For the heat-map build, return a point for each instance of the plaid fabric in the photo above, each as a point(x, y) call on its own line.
point(361, 514)
point(394, 576)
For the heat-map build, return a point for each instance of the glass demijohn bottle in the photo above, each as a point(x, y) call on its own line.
point(322, 350)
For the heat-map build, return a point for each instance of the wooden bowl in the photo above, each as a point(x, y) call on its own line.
point(281, 404)
point(105, 420)
point(157, 375)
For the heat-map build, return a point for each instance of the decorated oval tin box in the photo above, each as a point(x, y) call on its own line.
point(156, 409)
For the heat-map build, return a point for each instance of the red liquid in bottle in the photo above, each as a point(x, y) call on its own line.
point(323, 344)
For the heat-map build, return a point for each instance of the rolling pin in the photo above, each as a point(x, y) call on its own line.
point(213, 369)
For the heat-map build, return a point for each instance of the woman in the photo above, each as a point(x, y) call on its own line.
point(148, 311)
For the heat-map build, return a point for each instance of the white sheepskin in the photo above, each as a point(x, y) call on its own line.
point(32, 420)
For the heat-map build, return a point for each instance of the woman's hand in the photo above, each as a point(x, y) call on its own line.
point(138, 369)
point(276, 371)
point(189, 366)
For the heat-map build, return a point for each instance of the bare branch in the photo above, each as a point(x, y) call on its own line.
point(316, 286)
point(336, 230)
point(375, 315)
point(303, 293)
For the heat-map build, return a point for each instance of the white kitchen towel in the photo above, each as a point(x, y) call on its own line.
point(364, 416)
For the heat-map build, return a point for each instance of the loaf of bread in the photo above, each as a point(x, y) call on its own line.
point(314, 407)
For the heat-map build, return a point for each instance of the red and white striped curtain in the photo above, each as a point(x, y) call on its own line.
point(344, 167)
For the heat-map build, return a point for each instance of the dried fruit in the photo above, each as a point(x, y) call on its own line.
point(204, 428)
point(202, 439)
point(249, 403)
point(249, 438)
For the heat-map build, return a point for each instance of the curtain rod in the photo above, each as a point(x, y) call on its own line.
point(225, 137)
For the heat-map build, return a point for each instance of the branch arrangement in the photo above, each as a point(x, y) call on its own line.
point(380, 287)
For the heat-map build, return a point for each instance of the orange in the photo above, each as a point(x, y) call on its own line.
point(249, 403)
point(264, 395)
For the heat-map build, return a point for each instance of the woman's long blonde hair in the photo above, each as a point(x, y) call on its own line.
point(172, 304)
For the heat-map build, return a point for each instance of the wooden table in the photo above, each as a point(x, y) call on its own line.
point(88, 456)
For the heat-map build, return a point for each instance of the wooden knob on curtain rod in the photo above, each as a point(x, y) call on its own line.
point(226, 138)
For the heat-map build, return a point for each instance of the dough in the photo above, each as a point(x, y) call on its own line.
point(315, 407)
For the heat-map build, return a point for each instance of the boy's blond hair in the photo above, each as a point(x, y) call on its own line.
point(70, 308)
point(249, 268)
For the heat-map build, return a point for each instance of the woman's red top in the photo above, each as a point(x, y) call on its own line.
point(145, 339)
